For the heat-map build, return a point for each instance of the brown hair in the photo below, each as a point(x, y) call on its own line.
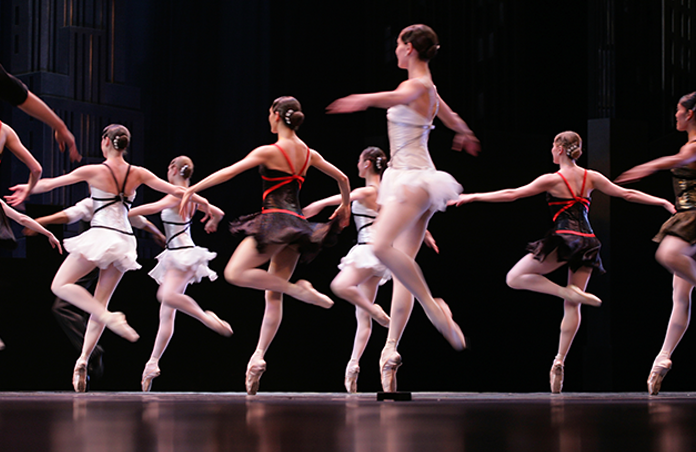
point(377, 157)
point(290, 111)
point(184, 166)
point(423, 39)
point(118, 135)
point(688, 101)
point(571, 142)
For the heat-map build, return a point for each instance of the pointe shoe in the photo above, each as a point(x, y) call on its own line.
point(389, 363)
point(381, 318)
point(223, 328)
point(579, 296)
point(116, 322)
point(79, 380)
point(556, 377)
point(311, 295)
point(351, 379)
point(451, 330)
point(657, 374)
point(255, 369)
point(151, 372)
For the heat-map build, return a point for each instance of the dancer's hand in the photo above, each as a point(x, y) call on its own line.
point(349, 104)
point(65, 139)
point(429, 240)
point(54, 242)
point(212, 225)
point(464, 198)
point(670, 207)
point(468, 142)
point(185, 200)
point(343, 213)
point(159, 239)
point(21, 192)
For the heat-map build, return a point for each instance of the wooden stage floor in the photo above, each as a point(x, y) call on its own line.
point(270, 422)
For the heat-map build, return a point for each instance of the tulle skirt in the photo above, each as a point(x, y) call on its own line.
point(104, 247)
point(441, 186)
point(361, 256)
point(185, 260)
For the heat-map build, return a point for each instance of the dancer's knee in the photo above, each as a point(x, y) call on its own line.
point(234, 276)
point(512, 279)
point(338, 288)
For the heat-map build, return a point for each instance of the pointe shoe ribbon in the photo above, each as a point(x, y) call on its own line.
point(388, 365)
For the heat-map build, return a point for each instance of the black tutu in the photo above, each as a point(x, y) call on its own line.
point(577, 250)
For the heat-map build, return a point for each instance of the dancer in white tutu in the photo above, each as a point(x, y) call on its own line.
point(181, 264)
point(412, 189)
point(109, 243)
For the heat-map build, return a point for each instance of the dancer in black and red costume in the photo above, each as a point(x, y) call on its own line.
point(279, 233)
point(571, 241)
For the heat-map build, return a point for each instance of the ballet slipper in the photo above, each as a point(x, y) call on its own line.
point(577, 295)
point(309, 294)
point(389, 363)
point(450, 330)
point(79, 380)
point(380, 316)
point(221, 327)
point(255, 368)
point(556, 377)
point(351, 378)
point(150, 372)
point(116, 322)
point(657, 374)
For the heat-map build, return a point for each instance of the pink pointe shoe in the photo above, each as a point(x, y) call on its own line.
point(150, 372)
point(657, 374)
point(556, 377)
point(389, 363)
point(351, 379)
point(79, 380)
point(221, 327)
point(116, 322)
point(255, 368)
point(577, 295)
point(451, 330)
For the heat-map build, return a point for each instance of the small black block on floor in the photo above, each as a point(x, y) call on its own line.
point(398, 396)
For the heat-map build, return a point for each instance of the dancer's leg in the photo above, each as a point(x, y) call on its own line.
point(569, 328)
point(368, 290)
point(398, 230)
point(171, 293)
point(281, 266)
point(242, 271)
point(347, 285)
point(676, 255)
point(63, 286)
point(164, 335)
point(527, 274)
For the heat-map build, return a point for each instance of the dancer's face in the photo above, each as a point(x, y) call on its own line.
point(683, 116)
point(363, 167)
point(402, 52)
point(273, 120)
point(556, 150)
point(171, 171)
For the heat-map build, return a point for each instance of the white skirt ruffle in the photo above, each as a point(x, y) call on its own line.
point(441, 186)
point(188, 259)
point(361, 256)
point(104, 247)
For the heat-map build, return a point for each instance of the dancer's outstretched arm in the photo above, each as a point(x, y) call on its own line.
point(28, 222)
point(607, 187)
point(686, 155)
point(539, 185)
point(343, 210)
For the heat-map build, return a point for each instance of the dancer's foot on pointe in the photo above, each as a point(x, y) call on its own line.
point(577, 295)
point(657, 374)
point(219, 325)
point(351, 379)
point(450, 329)
point(150, 372)
point(79, 380)
point(380, 316)
point(255, 368)
point(389, 363)
point(116, 322)
point(556, 377)
point(307, 293)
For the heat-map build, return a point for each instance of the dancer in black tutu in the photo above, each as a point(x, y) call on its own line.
point(279, 233)
point(571, 240)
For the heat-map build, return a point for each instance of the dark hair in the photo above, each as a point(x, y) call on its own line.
point(423, 39)
point(688, 101)
point(118, 135)
point(377, 157)
point(571, 142)
point(290, 111)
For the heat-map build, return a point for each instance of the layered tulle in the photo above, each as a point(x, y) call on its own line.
point(441, 186)
point(361, 256)
point(194, 259)
point(104, 247)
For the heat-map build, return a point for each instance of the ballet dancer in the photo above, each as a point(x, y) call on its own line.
point(412, 190)
point(109, 243)
point(180, 264)
point(677, 236)
point(571, 241)
point(279, 233)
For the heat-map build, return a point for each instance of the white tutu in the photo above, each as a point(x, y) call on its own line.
point(186, 259)
point(361, 256)
point(104, 247)
point(441, 186)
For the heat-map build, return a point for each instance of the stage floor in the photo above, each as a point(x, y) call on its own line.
point(269, 422)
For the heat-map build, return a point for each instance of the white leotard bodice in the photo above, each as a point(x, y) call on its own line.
point(177, 231)
point(363, 217)
point(111, 211)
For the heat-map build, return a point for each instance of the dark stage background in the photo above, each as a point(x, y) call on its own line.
point(198, 78)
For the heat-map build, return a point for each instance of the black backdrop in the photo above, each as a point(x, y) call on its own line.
point(208, 73)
